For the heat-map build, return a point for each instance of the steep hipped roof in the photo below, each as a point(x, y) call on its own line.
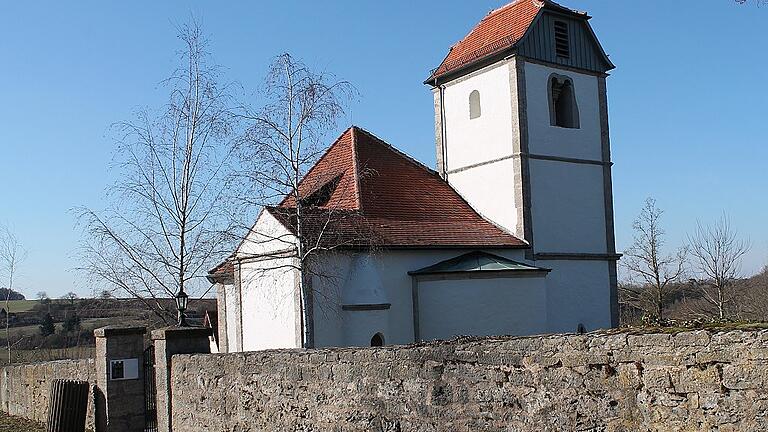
point(500, 30)
point(364, 190)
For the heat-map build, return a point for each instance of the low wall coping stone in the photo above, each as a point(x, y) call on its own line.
point(181, 333)
point(115, 330)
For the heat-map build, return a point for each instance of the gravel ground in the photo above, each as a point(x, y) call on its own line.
point(16, 424)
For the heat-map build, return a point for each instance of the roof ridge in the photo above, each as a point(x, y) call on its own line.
point(315, 165)
point(356, 167)
point(510, 4)
point(447, 65)
point(400, 153)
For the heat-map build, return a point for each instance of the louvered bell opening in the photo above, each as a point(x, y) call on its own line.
point(562, 45)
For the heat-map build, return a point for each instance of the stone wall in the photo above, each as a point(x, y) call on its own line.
point(25, 389)
point(691, 381)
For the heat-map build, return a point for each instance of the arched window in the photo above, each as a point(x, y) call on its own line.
point(377, 340)
point(563, 110)
point(474, 104)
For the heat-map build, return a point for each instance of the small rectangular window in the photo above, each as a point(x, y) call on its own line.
point(562, 43)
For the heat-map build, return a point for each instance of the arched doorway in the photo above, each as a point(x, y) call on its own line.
point(377, 340)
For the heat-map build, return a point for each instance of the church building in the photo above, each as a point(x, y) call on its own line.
point(511, 234)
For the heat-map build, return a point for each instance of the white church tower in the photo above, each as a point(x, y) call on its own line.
point(521, 124)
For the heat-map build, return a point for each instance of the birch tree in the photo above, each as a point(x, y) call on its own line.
point(12, 254)
point(717, 252)
point(652, 271)
point(166, 223)
point(284, 138)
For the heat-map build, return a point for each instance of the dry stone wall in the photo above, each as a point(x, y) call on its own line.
point(693, 381)
point(25, 389)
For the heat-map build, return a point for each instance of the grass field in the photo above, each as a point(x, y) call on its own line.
point(16, 424)
point(17, 306)
point(87, 324)
point(46, 354)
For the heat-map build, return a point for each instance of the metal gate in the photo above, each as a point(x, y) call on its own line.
point(150, 391)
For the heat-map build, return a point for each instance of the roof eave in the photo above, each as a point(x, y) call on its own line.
point(431, 247)
point(435, 80)
point(471, 272)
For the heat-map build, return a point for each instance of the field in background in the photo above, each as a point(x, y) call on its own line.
point(29, 344)
point(17, 306)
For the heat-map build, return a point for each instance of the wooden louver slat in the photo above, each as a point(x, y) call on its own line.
point(562, 44)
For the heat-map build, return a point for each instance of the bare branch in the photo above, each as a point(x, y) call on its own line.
point(654, 272)
point(167, 222)
point(717, 251)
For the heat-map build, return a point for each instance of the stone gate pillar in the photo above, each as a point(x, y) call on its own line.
point(119, 379)
point(169, 341)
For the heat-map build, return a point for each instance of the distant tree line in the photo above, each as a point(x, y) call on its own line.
point(698, 282)
point(11, 294)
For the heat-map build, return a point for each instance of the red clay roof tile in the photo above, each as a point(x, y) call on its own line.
point(386, 196)
point(502, 28)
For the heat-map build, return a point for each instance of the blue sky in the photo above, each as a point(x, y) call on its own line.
point(687, 100)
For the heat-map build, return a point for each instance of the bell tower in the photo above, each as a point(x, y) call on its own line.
point(521, 126)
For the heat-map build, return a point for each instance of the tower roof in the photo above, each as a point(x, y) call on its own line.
point(500, 30)
point(370, 185)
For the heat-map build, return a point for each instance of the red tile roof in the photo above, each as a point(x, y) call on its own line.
point(376, 195)
point(501, 29)
point(222, 271)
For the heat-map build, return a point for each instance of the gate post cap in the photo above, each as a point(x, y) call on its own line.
point(181, 333)
point(116, 330)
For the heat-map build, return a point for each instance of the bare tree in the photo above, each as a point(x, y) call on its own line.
point(70, 297)
point(166, 224)
point(717, 252)
point(283, 140)
point(12, 254)
point(652, 271)
point(752, 296)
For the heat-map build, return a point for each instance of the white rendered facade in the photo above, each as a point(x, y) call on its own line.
point(522, 135)
point(493, 305)
point(544, 183)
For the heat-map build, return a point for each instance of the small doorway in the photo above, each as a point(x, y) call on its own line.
point(377, 340)
point(150, 391)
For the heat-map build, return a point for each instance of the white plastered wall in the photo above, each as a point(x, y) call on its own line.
point(489, 189)
point(269, 305)
point(337, 327)
point(567, 197)
point(578, 292)
point(488, 137)
point(568, 202)
point(482, 307)
point(567, 207)
point(232, 318)
point(268, 287)
point(545, 139)
point(482, 148)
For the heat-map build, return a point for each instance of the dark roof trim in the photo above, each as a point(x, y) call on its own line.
point(430, 247)
point(478, 262)
point(366, 307)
